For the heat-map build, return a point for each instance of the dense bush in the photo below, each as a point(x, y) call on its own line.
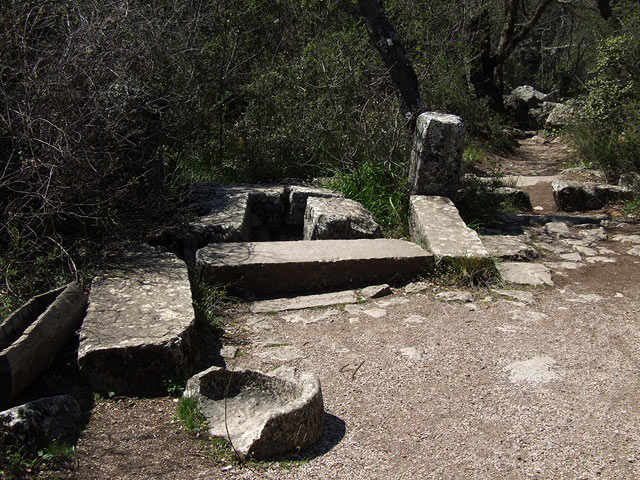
point(608, 135)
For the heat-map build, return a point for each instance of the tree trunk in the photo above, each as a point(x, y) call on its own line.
point(486, 68)
point(388, 44)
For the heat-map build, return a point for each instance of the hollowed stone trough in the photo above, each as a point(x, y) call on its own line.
point(262, 415)
point(32, 336)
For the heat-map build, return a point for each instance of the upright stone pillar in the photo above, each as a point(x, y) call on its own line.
point(436, 156)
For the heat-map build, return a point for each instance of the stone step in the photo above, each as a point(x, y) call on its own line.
point(268, 268)
point(140, 325)
point(436, 224)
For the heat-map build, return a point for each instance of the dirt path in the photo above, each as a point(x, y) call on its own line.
point(540, 387)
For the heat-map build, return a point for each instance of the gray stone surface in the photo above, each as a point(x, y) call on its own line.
point(261, 415)
point(140, 324)
point(516, 197)
point(436, 156)
point(525, 273)
point(306, 301)
point(520, 295)
point(630, 180)
point(298, 196)
point(376, 291)
point(558, 230)
point(532, 97)
point(560, 116)
point(579, 196)
point(338, 218)
point(508, 247)
point(416, 287)
point(436, 224)
point(306, 266)
point(41, 421)
point(456, 296)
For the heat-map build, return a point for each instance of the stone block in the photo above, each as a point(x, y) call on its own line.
point(573, 196)
point(436, 156)
point(298, 196)
point(307, 266)
point(338, 218)
point(436, 224)
point(140, 324)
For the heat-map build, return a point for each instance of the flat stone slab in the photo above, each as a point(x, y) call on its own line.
point(306, 301)
point(579, 196)
point(524, 273)
point(261, 415)
point(507, 247)
point(140, 324)
point(436, 224)
point(338, 218)
point(307, 266)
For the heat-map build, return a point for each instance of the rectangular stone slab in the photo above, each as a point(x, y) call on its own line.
point(436, 224)
point(289, 267)
point(140, 324)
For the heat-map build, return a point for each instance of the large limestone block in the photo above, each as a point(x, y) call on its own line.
point(261, 415)
point(338, 218)
point(580, 196)
point(140, 324)
point(307, 266)
point(435, 223)
point(298, 196)
point(436, 156)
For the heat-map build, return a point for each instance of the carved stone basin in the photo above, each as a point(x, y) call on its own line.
point(262, 415)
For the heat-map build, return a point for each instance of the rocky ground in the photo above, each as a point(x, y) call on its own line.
point(507, 382)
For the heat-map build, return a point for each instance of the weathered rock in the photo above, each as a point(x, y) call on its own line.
point(520, 295)
point(558, 230)
point(435, 223)
point(307, 266)
point(261, 415)
point(140, 324)
point(338, 218)
point(560, 116)
point(41, 421)
point(508, 247)
point(630, 180)
point(516, 197)
point(579, 196)
point(593, 235)
point(376, 291)
point(525, 273)
point(298, 201)
point(462, 297)
point(32, 336)
point(307, 301)
point(416, 287)
point(532, 97)
point(436, 156)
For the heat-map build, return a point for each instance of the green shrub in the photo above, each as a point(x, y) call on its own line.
point(380, 189)
point(188, 412)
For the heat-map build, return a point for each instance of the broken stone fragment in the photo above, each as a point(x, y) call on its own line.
point(41, 421)
point(261, 415)
point(338, 218)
